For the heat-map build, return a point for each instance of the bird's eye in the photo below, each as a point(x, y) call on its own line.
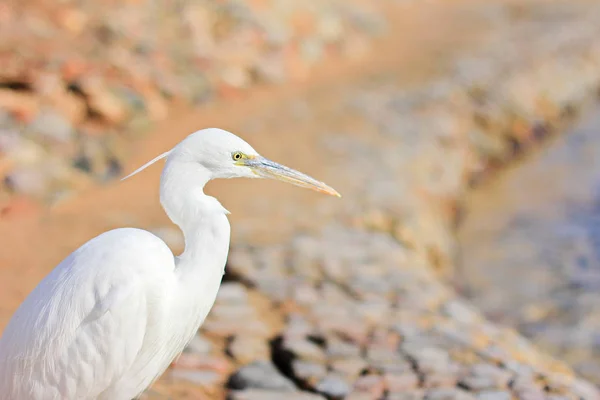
point(237, 156)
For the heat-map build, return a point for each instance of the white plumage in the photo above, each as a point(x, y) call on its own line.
point(111, 317)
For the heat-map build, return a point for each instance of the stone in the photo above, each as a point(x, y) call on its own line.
point(396, 383)
point(305, 350)
point(52, 126)
point(429, 359)
point(259, 394)
point(439, 380)
point(309, 372)
point(337, 348)
point(494, 395)
point(486, 376)
point(417, 394)
point(246, 349)
point(349, 367)
point(22, 106)
point(358, 395)
point(260, 375)
point(230, 327)
point(232, 293)
point(585, 390)
point(199, 345)
point(201, 362)
point(346, 328)
point(374, 385)
point(29, 181)
point(103, 102)
point(203, 378)
point(449, 394)
point(333, 386)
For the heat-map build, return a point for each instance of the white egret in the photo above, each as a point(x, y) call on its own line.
point(112, 316)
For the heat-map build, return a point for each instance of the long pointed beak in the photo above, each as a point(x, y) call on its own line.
point(269, 169)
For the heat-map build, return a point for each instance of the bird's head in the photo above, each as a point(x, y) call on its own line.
point(225, 155)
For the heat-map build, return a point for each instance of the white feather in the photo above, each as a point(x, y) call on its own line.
point(149, 163)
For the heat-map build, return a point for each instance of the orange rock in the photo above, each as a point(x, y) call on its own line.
point(199, 361)
point(73, 69)
point(103, 102)
point(73, 20)
point(23, 106)
point(156, 105)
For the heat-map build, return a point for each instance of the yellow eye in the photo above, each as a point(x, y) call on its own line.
point(237, 156)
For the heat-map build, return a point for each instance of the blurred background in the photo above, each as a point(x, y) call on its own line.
point(463, 261)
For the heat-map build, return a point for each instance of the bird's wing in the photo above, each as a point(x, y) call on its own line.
point(84, 325)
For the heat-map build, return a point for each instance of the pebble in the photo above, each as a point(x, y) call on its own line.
point(494, 395)
point(232, 293)
point(337, 348)
point(28, 181)
point(246, 349)
point(333, 387)
point(449, 394)
point(309, 372)
point(305, 350)
point(349, 367)
point(257, 394)
point(396, 383)
point(52, 126)
point(202, 378)
point(374, 385)
point(408, 395)
point(187, 360)
point(260, 375)
point(199, 345)
point(486, 376)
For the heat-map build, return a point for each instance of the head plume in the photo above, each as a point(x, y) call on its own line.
point(149, 163)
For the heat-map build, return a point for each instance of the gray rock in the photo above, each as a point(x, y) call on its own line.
point(258, 394)
point(260, 375)
point(195, 376)
point(399, 383)
point(305, 350)
point(349, 367)
point(29, 181)
point(199, 345)
point(246, 348)
point(449, 394)
point(333, 386)
point(53, 126)
point(486, 376)
point(494, 395)
point(309, 371)
point(232, 293)
point(417, 394)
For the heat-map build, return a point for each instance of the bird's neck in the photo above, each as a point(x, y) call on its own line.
point(203, 220)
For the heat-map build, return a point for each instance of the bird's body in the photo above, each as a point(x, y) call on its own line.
point(112, 316)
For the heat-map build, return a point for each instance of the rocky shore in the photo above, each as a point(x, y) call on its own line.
point(356, 303)
point(79, 79)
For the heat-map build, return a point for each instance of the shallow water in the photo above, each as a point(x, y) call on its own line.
point(530, 247)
